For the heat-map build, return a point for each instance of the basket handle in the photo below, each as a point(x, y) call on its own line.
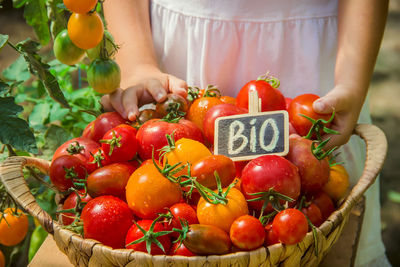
point(12, 177)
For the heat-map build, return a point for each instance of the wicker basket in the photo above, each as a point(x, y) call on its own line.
point(86, 252)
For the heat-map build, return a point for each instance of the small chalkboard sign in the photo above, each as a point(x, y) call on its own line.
point(248, 136)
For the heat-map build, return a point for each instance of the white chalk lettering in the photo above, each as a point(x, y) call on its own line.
point(235, 136)
point(253, 136)
point(275, 135)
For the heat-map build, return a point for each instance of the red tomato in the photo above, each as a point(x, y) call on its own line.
point(152, 135)
point(97, 160)
point(79, 147)
point(182, 211)
point(239, 166)
point(215, 112)
point(267, 172)
point(120, 143)
point(290, 226)
point(247, 233)
point(103, 123)
point(314, 173)
point(270, 236)
point(313, 213)
point(135, 233)
point(65, 170)
point(271, 98)
point(180, 250)
point(107, 219)
point(204, 170)
point(70, 203)
point(110, 180)
point(287, 101)
point(302, 104)
point(324, 203)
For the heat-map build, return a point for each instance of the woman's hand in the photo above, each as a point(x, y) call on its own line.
point(347, 106)
point(147, 85)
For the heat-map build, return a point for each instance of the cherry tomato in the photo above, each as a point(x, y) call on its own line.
point(172, 100)
point(247, 233)
point(103, 123)
point(120, 143)
point(70, 203)
point(338, 182)
point(65, 51)
point(290, 226)
point(270, 236)
point(270, 171)
point(79, 6)
point(207, 240)
point(79, 147)
point(107, 219)
point(288, 100)
point(13, 227)
point(65, 170)
point(182, 211)
point(135, 233)
point(239, 165)
point(215, 112)
point(204, 170)
point(85, 30)
point(271, 98)
point(104, 75)
point(146, 115)
point(152, 135)
point(97, 160)
point(314, 173)
point(313, 213)
point(302, 104)
point(180, 250)
point(222, 215)
point(228, 100)
point(199, 108)
point(148, 192)
point(324, 203)
point(110, 180)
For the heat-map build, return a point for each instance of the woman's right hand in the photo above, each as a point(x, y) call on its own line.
point(147, 85)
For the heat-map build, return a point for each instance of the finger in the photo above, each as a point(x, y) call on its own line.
point(328, 103)
point(116, 102)
point(130, 102)
point(156, 90)
point(177, 86)
point(106, 103)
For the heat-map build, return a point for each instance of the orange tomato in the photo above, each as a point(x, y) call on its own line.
point(228, 100)
point(199, 108)
point(148, 192)
point(221, 215)
point(80, 6)
point(13, 227)
point(2, 259)
point(85, 30)
point(186, 150)
point(338, 182)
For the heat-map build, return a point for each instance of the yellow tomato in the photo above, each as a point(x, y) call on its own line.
point(338, 182)
point(13, 227)
point(85, 30)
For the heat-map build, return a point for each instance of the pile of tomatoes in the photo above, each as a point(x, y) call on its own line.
point(154, 185)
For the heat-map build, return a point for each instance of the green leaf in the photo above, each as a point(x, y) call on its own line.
point(19, 3)
point(3, 40)
point(28, 49)
point(394, 196)
point(13, 130)
point(35, 14)
point(17, 71)
point(4, 87)
point(54, 136)
point(58, 113)
point(39, 114)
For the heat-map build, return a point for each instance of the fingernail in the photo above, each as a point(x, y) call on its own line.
point(160, 96)
point(131, 116)
point(319, 106)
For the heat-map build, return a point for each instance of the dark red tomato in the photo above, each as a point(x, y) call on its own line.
point(180, 250)
point(324, 203)
point(152, 135)
point(103, 123)
point(270, 236)
point(215, 112)
point(302, 104)
point(290, 226)
point(70, 203)
point(120, 143)
point(172, 102)
point(271, 98)
point(97, 160)
point(205, 239)
point(146, 115)
point(135, 233)
point(110, 180)
point(267, 172)
point(107, 219)
point(313, 213)
point(314, 173)
point(80, 147)
point(204, 170)
point(239, 166)
point(247, 233)
point(182, 211)
point(65, 170)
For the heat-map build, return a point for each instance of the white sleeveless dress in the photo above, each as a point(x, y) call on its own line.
point(230, 42)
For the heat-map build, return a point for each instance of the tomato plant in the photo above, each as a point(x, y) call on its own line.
point(85, 30)
point(13, 227)
point(290, 226)
point(247, 233)
point(79, 6)
point(104, 75)
point(66, 170)
point(65, 51)
point(107, 219)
